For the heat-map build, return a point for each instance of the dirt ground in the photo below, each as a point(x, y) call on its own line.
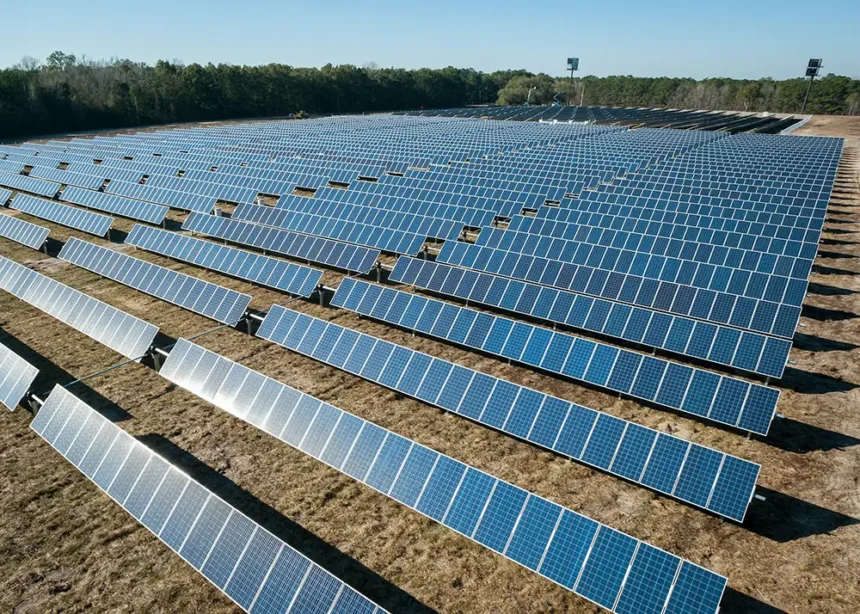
point(66, 547)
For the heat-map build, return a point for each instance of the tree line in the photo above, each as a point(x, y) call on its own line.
point(64, 94)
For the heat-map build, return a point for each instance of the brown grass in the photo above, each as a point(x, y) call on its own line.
point(66, 547)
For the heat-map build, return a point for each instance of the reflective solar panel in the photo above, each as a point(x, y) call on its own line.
point(559, 544)
point(202, 297)
point(313, 249)
point(264, 270)
point(116, 329)
point(65, 215)
point(10, 166)
point(258, 571)
point(707, 341)
point(163, 196)
point(640, 455)
point(16, 377)
point(118, 205)
point(30, 184)
point(5, 195)
point(23, 232)
point(67, 178)
point(727, 400)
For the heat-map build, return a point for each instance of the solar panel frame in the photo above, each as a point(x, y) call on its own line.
point(264, 270)
point(20, 231)
point(202, 297)
point(123, 333)
point(16, 377)
point(388, 463)
point(128, 472)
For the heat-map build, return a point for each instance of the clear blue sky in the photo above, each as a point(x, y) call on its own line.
point(751, 39)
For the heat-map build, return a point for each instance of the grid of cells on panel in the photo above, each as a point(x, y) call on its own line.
point(65, 215)
point(67, 178)
point(202, 297)
point(576, 552)
point(5, 195)
point(264, 270)
point(23, 232)
point(163, 196)
point(297, 245)
point(9, 166)
point(220, 191)
point(705, 394)
point(759, 315)
point(725, 345)
point(625, 449)
point(118, 205)
point(30, 184)
point(16, 377)
point(116, 329)
point(258, 571)
point(381, 238)
point(106, 172)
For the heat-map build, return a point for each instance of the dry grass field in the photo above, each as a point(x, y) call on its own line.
point(66, 547)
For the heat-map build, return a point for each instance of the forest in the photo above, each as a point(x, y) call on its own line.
point(64, 94)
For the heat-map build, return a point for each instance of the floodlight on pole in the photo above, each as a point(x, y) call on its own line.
point(812, 70)
point(572, 66)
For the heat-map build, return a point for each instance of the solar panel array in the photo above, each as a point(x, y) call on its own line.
point(118, 205)
point(202, 297)
point(705, 394)
point(263, 270)
point(694, 474)
point(257, 570)
point(65, 215)
point(293, 244)
point(23, 232)
point(603, 565)
point(16, 377)
point(116, 329)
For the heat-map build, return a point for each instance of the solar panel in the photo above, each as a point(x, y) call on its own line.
point(719, 344)
point(163, 196)
point(264, 270)
point(5, 195)
point(116, 329)
point(586, 557)
point(23, 232)
point(16, 377)
point(86, 221)
point(30, 184)
point(10, 166)
point(118, 205)
point(313, 249)
point(625, 449)
point(258, 571)
point(67, 178)
point(202, 297)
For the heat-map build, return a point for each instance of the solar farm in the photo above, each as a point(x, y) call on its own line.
point(431, 362)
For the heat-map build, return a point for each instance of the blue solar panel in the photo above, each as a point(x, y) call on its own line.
point(116, 329)
point(203, 529)
point(67, 178)
point(624, 449)
point(86, 221)
point(297, 245)
point(118, 205)
point(525, 528)
point(30, 184)
point(163, 196)
point(23, 232)
point(207, 299)
point(602, 365)
point(740, 349)
point(264, 270)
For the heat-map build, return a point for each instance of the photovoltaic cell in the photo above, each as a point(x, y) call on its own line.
point(525, 528)
point(264, 270)
point(208, 533)
point(116, 329)
point(207, 299)
point(617, 446)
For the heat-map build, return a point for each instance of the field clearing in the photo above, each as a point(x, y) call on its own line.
point(66, 547)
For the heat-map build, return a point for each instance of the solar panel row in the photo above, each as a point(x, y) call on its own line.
point(23, 232)
point(263, 270)
point(258, 571)
point(65, 177)
point(16, 377)
point(202, 297)
point(610, 568)
point(65, 215)
point(30, 184)
point(116, 329)
point(118, 205)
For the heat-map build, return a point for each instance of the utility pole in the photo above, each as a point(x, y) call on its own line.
point(812, 70)
point(572, 66)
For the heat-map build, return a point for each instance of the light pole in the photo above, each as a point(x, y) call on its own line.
point(811, 71)
point(529, 97)
point(572, 66)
